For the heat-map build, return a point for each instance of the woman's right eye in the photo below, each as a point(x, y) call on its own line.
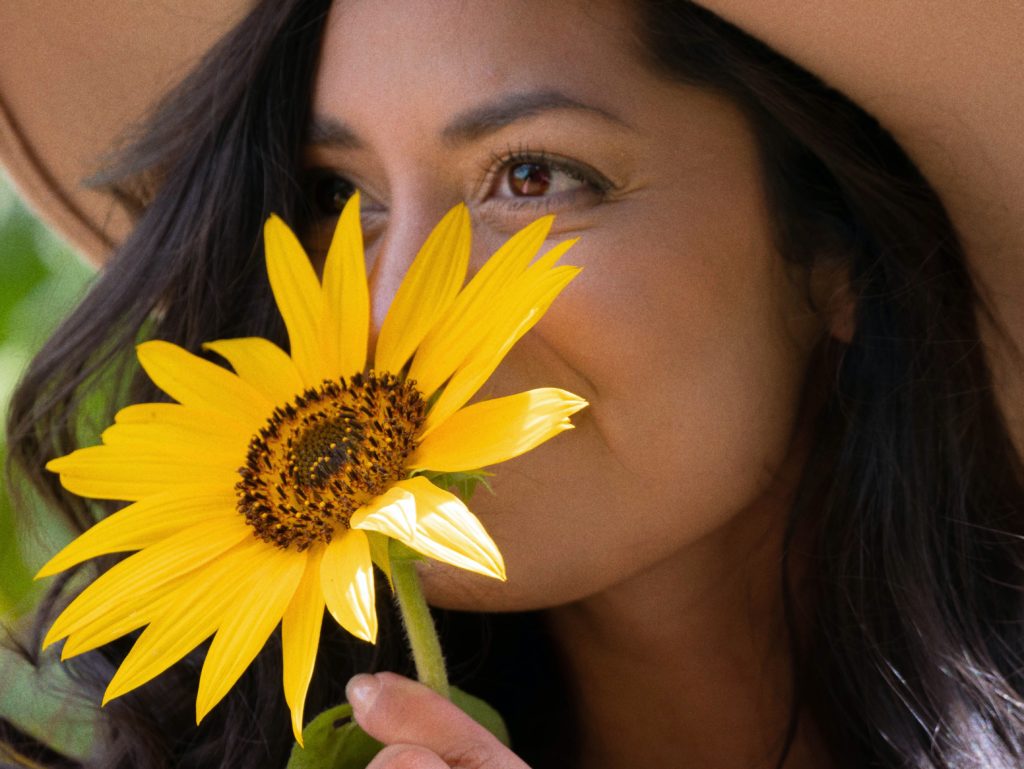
point(329, 193)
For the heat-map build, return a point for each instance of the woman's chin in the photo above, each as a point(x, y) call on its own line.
point(448, 587)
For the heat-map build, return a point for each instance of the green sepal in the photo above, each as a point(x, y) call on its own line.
point(463, 484)
point(334, 741)
point(380, 553)
point(399, 551)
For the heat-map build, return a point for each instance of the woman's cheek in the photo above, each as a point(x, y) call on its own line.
point(693, 404)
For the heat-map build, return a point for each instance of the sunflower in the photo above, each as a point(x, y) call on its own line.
point(263, 495)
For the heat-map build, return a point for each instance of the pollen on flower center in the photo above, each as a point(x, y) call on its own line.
point(329, 451)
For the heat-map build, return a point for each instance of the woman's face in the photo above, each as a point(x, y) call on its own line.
point(685, 331)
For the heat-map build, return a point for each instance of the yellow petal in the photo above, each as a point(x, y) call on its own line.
point(247, 624)
point(132, 611)
point(346, 574)
point(528, 307)
point(138, 608)
point(550, 258)
point(447, 531)
point(149, 569)
point(346, 299)
point(114, 472)
point(427, 291)
point(188, 616)
point(203, 423)
point(472, 313)
point(393, 514)
point(298, 296)
point(135, 612)
point(496, 430)
point(178, 444)
point(300, 638)
point(193, 381)
point(145, 523)
point(263, 365)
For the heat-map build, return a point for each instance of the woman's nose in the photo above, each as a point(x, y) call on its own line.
point(396, 248)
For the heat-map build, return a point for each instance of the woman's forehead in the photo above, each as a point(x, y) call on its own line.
point(456, 53)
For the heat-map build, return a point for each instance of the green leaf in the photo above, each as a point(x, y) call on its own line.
point(37, 700)
point(489, 718)
point(16, 586)
point(334, 741)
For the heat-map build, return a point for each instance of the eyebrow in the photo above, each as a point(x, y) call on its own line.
point(474, 123)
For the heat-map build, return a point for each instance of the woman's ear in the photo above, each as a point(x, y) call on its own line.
point(833, 295)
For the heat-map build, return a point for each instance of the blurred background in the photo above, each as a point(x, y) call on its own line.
point(40, 280)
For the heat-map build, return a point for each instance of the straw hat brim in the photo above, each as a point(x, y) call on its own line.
point(944, 76)
point(74, 76)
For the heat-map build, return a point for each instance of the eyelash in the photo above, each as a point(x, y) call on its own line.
point(522, 154)
point(490, 175)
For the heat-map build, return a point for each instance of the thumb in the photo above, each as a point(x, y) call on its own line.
point(395, 710)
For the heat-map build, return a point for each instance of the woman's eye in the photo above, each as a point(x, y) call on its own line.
point(543, 178)
point(330, 193)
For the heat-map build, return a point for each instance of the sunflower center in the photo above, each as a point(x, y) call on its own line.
point(322, 456)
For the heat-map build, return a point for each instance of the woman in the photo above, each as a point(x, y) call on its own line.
point(786, 533)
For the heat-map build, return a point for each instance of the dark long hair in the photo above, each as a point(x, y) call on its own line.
point(907, 634)
point(906, 627)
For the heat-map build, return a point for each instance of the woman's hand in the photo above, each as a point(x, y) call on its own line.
point(421, 729)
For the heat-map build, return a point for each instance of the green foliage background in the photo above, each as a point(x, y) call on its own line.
point(41, 278)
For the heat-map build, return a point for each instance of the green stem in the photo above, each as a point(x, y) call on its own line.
point(419, 626)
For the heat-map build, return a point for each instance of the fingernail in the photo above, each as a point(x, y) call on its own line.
point(362, 690)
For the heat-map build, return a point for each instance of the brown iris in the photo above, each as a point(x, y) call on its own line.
point(327, 453)
point(529, 178)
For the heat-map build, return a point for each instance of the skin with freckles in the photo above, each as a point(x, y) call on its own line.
point(651, 530)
